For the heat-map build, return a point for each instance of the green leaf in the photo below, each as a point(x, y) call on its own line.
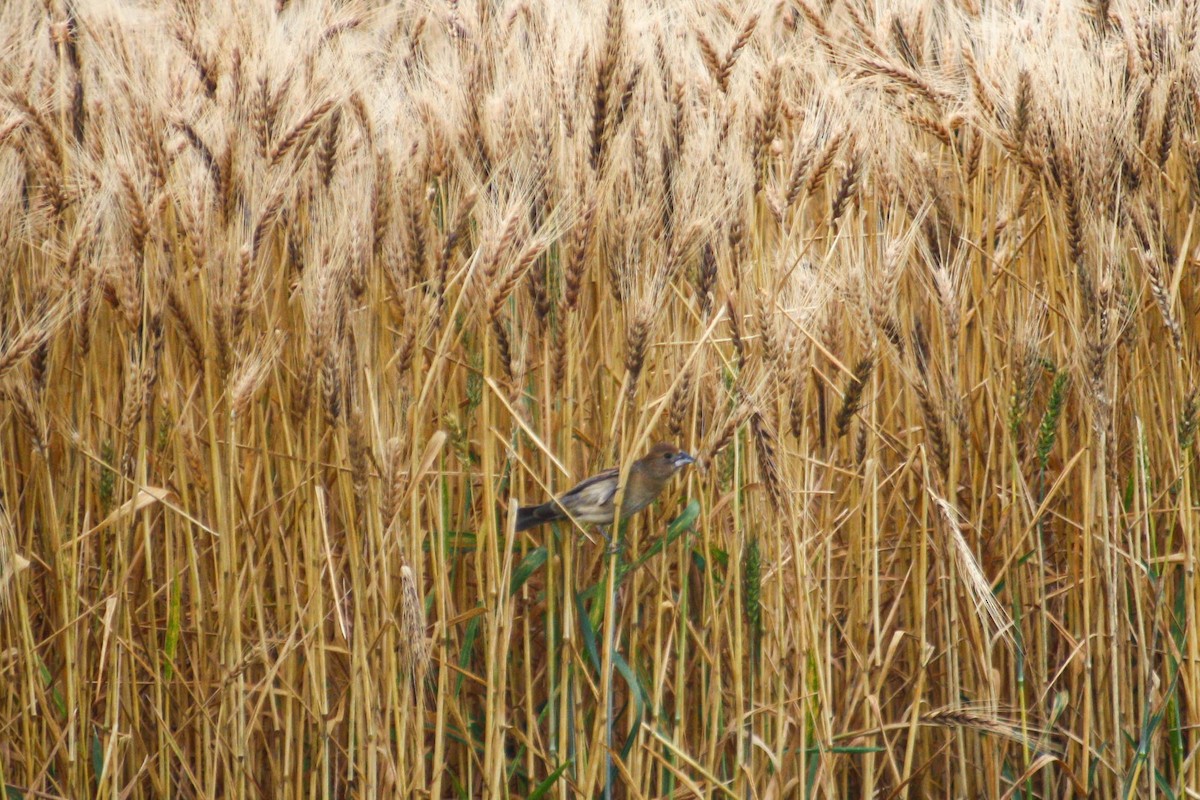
point(685, 520)
point(1058, 706)
point(545, 786)
point(97, 755)
point(1127, 496)
point(588, 631)
point(639, 697)
point(1164, 785)
point(530, 564)
point(810, 780)
point(48, 681)
point(676, 528)
point(850, 749)
point(464, 657)
point(455, 541)
point(171, 644)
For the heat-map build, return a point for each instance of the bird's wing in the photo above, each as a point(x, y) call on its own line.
point(596, 491)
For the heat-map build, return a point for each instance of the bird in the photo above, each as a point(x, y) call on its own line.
point(593, 499)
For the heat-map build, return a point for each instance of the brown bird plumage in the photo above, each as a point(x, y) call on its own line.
point(593, 500)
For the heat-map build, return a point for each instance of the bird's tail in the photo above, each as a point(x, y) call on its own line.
point(532, 516)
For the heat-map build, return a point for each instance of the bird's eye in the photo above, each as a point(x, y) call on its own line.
point(667, 456)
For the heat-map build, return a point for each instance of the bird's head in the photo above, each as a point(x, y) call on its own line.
point(665, 460)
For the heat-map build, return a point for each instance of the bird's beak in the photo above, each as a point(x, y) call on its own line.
point(683, 459)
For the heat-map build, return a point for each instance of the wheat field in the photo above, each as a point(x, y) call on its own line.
point(301, 298)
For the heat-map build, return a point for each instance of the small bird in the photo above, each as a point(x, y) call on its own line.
point(593, 499)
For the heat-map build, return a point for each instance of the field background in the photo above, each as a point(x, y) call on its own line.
point(299, 298)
